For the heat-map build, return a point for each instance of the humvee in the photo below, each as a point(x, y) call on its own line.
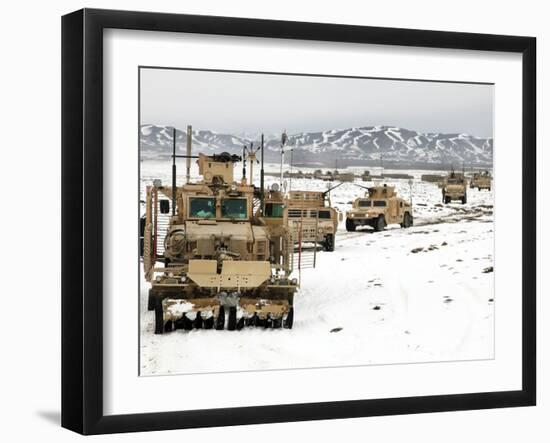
point(453, 187)
point(379, 208)
point(220, 265)
point(481, 180)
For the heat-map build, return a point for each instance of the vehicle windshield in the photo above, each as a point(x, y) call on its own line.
point(454, 181)
point(200, 207)
point(234, 208)
point(379, 203)
point(274, 210)
point(364, 203)
point(324, 214)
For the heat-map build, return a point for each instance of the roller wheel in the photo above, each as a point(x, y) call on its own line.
point(197, 323)
point(240, 324)
point(183, 323)
point(232, 320)
point(350, 225)
point(208, 323)
point(220, 320)
point(289, 320)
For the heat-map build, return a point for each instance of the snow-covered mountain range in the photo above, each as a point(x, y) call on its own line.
point(360, 146)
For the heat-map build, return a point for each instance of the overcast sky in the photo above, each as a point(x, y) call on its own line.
point(239, 103)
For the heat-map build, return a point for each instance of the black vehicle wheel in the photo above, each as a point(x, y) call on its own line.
point(240, 323)
point(277, 322)
point(289, 320)
point(208, 323)
point(379, 224)
point(329, 243)
point(232, 320)
point(183, 323)
point(464, 200)
point(220, 320)
point(407, 220)
point(151, 301)
point(168, 326)
point(197, 323)
point(350, 225)
point(159, 316)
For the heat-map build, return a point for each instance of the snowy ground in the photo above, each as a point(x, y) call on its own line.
point(371, 301)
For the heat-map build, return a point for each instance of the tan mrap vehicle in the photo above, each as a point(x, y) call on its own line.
point(220, 265)
point(310, 217)
point(481, 180)
point(379, 208)
point(454, 187)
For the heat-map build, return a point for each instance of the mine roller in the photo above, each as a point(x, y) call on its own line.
point(214, 263)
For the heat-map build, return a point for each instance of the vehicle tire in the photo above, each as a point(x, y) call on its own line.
point(151, 301)
point(289, 320)
point(232, 320)
point(220, 320)
point(464, 200)
point(380, 223)
point(168, 326)
point(350, 225)
point(407, 220)
point(197, 323)
point(159, 316)
point(328, 244)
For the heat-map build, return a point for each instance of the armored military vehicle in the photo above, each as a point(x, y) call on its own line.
point(453, 187)
point(380, 207)
point(309, 215)
point(481, 180)
point(220, 265)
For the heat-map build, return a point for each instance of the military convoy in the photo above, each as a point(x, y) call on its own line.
point(453, 187)
point(379, 208)
point(219, 253)
point(481, 180)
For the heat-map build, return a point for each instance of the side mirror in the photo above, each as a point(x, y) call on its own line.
point(164, 206)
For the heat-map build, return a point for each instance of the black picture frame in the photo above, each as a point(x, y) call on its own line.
point(82, 187)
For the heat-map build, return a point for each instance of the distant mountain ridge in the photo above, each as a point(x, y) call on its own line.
point(361, 145)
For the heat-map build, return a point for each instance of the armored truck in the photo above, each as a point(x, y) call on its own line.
point(380, 207)
point(454, 187)
point(220, 266)
point(481, 180)
point(309, 215)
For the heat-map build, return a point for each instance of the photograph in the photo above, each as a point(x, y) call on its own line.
point(295, 221)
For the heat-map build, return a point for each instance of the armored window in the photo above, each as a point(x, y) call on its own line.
point(296, 213)
point(379, 203)
point(364, 203)
point(274, 209)
point(201, 207)
point(324, 214)
point(234, 208)
point(313, 214)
